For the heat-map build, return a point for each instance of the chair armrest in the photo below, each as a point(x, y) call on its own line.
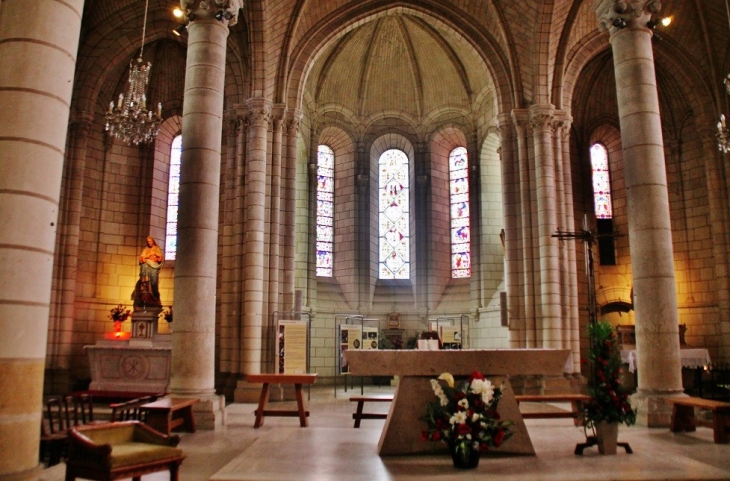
point(145, 434)
point(84, 449)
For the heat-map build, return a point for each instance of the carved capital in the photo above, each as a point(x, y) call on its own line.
point(225, 11)
point(541, 118)
point(615, 15)
point(520, 121)
point(294, 121)
point(259, 110)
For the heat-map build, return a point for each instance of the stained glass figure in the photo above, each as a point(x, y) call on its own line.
point(601, 182)
point(173, 199)
point(460, 223)
point(394, 215)
point(325, 210)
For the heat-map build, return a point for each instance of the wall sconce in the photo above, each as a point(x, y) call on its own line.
point(179, 30)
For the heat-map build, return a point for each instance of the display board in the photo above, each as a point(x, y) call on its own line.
point(350, 337)
point(369, 338)
point(292, 346)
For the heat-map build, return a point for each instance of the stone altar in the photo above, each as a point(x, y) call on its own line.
point(402, 431)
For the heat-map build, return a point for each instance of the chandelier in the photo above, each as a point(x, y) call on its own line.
point(723, 136)
point(129, 120)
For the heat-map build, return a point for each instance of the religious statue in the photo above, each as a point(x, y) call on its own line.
point(146, 292)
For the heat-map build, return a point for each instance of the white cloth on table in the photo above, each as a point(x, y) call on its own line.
point(690, 358)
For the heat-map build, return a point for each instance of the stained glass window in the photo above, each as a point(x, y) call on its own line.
point(325, 209)
point(601, 182)
point(173, 198)
point(394, 215)
point(460, 226)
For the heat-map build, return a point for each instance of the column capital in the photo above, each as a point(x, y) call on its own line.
point(225, 11)
point(505, 124)
point(542, 117)
point(294, 121)
point(278, 113)
point(615, 15)
point(520, 118)
point(259, 109)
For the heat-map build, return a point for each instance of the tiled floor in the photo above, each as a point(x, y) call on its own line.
point(331, 449)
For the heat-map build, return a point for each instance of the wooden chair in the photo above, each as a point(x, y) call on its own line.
point(129, 410)
point(54, 432)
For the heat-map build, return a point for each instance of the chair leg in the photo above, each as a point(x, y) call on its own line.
point(174, 471)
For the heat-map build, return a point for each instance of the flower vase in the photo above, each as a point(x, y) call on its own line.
point(117, 326)
point(607, 437)
point(464, 457)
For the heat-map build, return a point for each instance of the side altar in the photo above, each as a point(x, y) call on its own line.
point(140, 363)
point(402, 431)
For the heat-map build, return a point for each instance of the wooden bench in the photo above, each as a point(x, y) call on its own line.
point(575, 401)
point(169, 413)
point(361, 400)
point(266, 379)
point(683, 416)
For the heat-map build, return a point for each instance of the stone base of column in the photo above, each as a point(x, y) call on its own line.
point(247, 392)
point(210, 412)
point(29, 475)
point(652, 409)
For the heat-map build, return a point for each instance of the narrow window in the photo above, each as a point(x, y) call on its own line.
point(460, 225)
point(173, 199)
point(602, 204)
point(325, 209)
point(394, 215)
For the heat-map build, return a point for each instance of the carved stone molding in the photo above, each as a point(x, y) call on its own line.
point(259, 110)
point(542, 117)
point(225, 11)
point(615, 15)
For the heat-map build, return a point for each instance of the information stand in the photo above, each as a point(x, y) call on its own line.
point(451, 331)
point(292, 343)
point(353, 332)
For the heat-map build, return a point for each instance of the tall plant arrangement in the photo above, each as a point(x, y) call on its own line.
point(610, 401)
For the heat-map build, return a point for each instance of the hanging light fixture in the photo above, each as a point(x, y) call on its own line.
point(723, 136)
point(129, 120)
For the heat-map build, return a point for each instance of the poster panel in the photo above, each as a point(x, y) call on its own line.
point(369, 338)
point(292, 346)
point(450, 337)
point(350, 337)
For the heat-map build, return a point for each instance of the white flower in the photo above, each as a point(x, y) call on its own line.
point(444, 400)
point(458, 418)
point(483, 387)
point(464, 403)
point(475, 417)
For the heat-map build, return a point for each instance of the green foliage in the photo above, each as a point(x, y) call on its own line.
point(610, 400)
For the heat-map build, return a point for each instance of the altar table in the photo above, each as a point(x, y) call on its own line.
point(402, 431)
point(690, 358)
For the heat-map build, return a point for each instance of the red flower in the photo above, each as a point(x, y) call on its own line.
point(424, 435)
point(499, 437)
point(463, 429)
point(483, 448)
point(475, 375)
point(436, 436)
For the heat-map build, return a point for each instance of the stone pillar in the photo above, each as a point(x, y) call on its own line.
point(525, 183)
point(510, 193)
point(67, 244)
point(541, 117)
point(35, 93)
point(652, 258)
point(294, 118)
point(253, 282)
point(276, 204)
point(193, 334)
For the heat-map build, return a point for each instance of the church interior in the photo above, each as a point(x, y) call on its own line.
point(508, 172)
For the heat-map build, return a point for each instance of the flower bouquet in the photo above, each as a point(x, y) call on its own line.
point(167, 315)
point(465, 417)
point(119, 313)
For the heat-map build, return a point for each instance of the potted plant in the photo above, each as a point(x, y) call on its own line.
point(119, 314)
point(465, 417)
point(610, 404)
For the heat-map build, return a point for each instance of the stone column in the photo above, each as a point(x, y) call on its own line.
point(652, 257)
point(67, 243)
point(276, 204)
point(510, 193)
point(294, 118)
point(525, 183)
point(253, 283)
point(541, 117)
point(193, 334)
point(35, 93)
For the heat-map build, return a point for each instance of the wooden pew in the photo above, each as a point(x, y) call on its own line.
point(683, 416)
point(358, 415)
point(297, 380)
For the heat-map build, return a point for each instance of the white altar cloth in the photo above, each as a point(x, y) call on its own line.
point(691, 358)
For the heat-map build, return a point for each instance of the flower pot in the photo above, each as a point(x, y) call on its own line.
point(464, 457)
point(117, 326)
point(607, 437)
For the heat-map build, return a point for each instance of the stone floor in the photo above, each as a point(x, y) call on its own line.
point(331, 449)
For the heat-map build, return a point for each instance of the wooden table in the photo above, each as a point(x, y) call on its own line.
point(402, 431)
point(168, 413)
point(297, 379)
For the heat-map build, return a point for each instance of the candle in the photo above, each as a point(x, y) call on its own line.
point(111, 106)
point(121, 99)
point(722, 119)
point(159, 109)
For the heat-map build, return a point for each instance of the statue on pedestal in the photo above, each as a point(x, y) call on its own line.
point(146, 292)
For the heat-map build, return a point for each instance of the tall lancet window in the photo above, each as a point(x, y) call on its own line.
point(173, 199)
point(460, 228)
point(325, 209)
point(602, 204)
point(394, 215)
